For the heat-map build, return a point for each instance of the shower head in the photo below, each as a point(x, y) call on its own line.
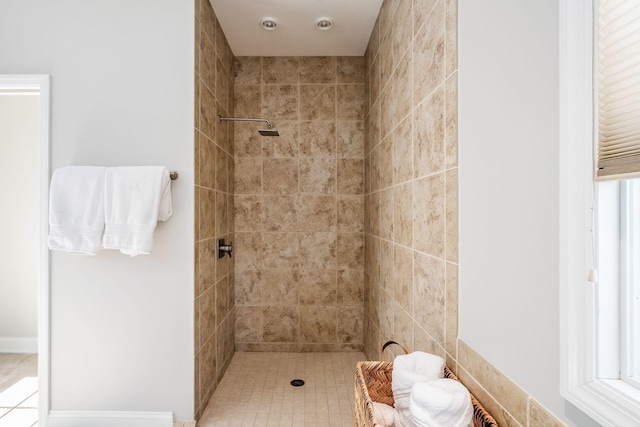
point(268, 132)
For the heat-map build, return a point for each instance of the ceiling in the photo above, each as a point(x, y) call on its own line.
point(297, 35)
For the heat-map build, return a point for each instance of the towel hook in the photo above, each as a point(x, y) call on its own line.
point(174, 175)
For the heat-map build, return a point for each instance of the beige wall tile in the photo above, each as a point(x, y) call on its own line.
point(451, 121)
point(280, 69)
point(403, 151)
point(207, 267)
point(318, 287)
point(317, 69)
point(350, 69)
point(207, 309)
point(279, 213)
point(402, 87)
point(222, 165)
point(248, 250)
point(208, 113)
point(350, 176)
point(349, 320)
point(451, 36)
point(428, 136)
point(248, 176)
point(429, 215)
point(350, 250)
point(317, 250)
point(430, 293)
point(196, 101)
point(539, 416)
point(350, 102)
point(451, 188)
point(207, 161)
point(350, 214)
point(403, 328)
point(386, 214)
point(248, 70)
point(425, 342)
point(403, 289)
point(247, 141)
point(247, 101)
point(350, 284)
point(207, 213)
point(386, 163)
point(387, 266)
point(318, 176)
point(402, 28)
point(207, 63)
point(350, 135)
point(248, 287)
point(279, 176)
point(317, 139)
point(280, 287)
point(317, 102)
point(280, 102)
point(222, 86)
point(428, 54)
point(451, 311)
point(249, 327)
point(387, 109)
point(285, 145)
point(318, 324)
point(280, 250)
point(281, 324)
point(224, 299)
point(316, 213)
point(388, 308)
point(403, 214)
point(386, 60)
point(248, 213)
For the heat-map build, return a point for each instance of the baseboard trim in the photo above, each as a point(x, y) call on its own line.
point(18, 345)
point(109, 419)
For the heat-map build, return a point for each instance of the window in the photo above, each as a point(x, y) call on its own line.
point(600, 319)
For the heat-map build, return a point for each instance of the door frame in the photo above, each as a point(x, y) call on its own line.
point(42, 84)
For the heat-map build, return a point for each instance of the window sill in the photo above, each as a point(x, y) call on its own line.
point(610, 402)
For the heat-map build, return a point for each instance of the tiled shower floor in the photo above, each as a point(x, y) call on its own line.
point(256, 391)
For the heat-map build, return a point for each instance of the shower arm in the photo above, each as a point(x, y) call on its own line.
point(244, 119)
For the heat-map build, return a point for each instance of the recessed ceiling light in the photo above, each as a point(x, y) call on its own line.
point(269, 24)
point(324, 24)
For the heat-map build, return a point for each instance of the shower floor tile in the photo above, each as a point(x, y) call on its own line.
point(256, 391)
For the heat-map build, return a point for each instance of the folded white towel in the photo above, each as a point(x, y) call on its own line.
point(76, 209)
point(441, 403)
point(383, 414)
point(407, 370)
point(136, 198)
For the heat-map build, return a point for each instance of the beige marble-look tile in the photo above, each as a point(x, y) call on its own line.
point(196, 101)
point(222, 175)
point(402, 87)
point(222, 213)
point(224, 299)
point(451, 311)
point(403, 328)
point(280, 324)
point(502, 389)
point(386, 214)
point(350, 176)
point(280, 287)
point(402, 28)
point(350, 102)
point(279, 176)
point(386, 163)
point(207, 310)
point(206, 161)
point(350, 324)
point(451, 121)
point(246, 140)
point(318, 176)
point(248, 325)
point(428, 136)
point(451, 36)
point(247, 70)
point(207, 62)
point(428, 54)
point(279, 213)
point(372, 258)
point(403, 151)
point(387, 268)
point(318, 287)
point(318, 102)
point(248, 287)
point(374, 216)
point(421, 10)
point(387, 315)
point(350, 216)
point(248, 250)
point(350, 286)
point(318, 324)
point(280, 250)
point(451, 228)
point(285, 145)
point(424, 342)
point(207, 254)
point(430, 293)
point(207, 213)
point(350, 69)
point(247, 100)
point(350, 135)
point(280, 102)
point(374, 82)
point(208, 114)
point(197, 33)
point(224, 131)
point(385, 59)
point(317, 69)
point(403, 214)
point(429, 215)
point(318, 139)
point(222, 85)
point(316, 213)
point(248, 176)
point(350, 250)
point(280, 69)
point(248, 213)
point(387, 110)
point(376, 174)
point(539, 416)
point(403, 289)
point(317, 250)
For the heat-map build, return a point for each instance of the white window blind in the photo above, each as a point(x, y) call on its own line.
point(619, 89)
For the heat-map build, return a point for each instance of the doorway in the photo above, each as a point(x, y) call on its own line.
point(24, 259)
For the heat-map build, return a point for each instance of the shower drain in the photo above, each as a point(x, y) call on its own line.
point(297, 383)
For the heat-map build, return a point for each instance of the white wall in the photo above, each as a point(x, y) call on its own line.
point(19, 218)
point(122, 94)
point(508, 192)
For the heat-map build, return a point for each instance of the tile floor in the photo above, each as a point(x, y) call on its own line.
point(18, 390)
point(256, 391)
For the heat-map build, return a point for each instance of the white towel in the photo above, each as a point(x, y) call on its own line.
point(383, 414)
point(76, 209)
point(408, 369)
point(441, 403)
point(136, 198)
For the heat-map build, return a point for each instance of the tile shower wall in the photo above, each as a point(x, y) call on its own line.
point(213, 157)
point(411, 201)
point(299, 204)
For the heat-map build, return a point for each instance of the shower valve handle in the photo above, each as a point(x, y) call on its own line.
point(222, 248)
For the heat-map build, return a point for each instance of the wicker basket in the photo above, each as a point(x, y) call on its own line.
point(373, 384)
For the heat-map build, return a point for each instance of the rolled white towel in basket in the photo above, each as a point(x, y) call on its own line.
point(383, 414)
point(409, 369)
point(441, 403)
